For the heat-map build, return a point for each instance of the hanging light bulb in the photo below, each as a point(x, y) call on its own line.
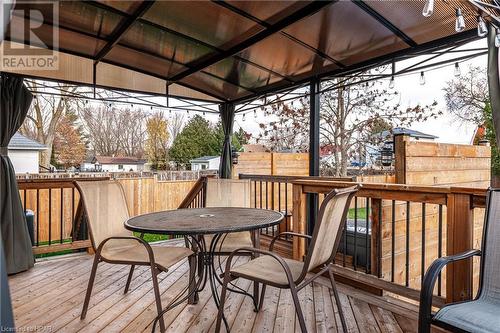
point(428, 8)
point(243, 119)
point(203, 112)
point(254, 113)
point(391, 83)
point(459, 21)
point(482, 29)
point(422, 78)
point(497, 39)
point(457, 70)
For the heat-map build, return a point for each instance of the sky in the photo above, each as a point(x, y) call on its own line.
point(445, 127)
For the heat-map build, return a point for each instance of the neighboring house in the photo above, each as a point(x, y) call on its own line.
point(366, 154)
point(205, 163)
point(24, 154)
point(113, 164)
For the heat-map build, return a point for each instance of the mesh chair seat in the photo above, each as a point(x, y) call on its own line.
point(231, 241)
point(267, 269)
point(481, 316)
point(164, 256)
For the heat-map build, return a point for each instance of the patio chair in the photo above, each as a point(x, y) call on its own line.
point(106, 208)
point(232, 193)
point(229, 193)
point(483, 313)
point(271, 269)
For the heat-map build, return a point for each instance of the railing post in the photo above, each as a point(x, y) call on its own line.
point(459, 238)
point(376, 237)
point(299, 221)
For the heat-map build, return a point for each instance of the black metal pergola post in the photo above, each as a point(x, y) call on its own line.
point(314, 107)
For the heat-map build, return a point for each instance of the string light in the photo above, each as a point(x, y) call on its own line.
point(243, 119)
point(457, 70)
point(459, 21)
point(422, 78)
point(482, 29)
point(255, 113)
point(203, 112)
point(428, 8)
point(391, 83)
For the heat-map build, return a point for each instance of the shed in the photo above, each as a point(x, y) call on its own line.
point(24, 153)
point(205, 163)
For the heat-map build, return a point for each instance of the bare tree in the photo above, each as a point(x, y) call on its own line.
point(347, 120)
point(44, 116)
point(132, 132)
point(175, 125)
point(112, 131)
point(467, 95)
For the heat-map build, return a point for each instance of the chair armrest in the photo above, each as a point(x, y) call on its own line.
point(287, 233)
point(264, 252)
point(139, 240)
point(429, 281)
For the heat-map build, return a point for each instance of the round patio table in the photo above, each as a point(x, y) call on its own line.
point(193, 224)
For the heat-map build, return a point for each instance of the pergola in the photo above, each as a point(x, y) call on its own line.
point(233, 52)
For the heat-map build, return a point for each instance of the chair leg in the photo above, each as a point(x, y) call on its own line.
point(256, 296)
point(262, 295)
point(154, 273)
point(337, 300)
point(298, 309)
point(127, 285)
point(193, 298)
point(220, 313)
point(90, 286)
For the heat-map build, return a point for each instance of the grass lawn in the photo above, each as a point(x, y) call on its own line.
point(361, 213)
point(152, 237)
point(147, 237)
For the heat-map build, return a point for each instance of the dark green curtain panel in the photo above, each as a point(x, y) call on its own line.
point(227, 118)
point(494, 82)
point(15, 100)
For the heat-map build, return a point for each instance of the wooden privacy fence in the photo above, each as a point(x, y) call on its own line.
point(58, 214)
point(403, 237)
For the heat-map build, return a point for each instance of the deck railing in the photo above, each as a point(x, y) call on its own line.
point(407, 227)
point(275, 192)
point(58, 216)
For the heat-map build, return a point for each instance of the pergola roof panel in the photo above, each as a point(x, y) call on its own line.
point(142, 61)
point(215, 86)
point(331, 32)
point(272, 12)
point(237, 50)
point(419, 28)
point(88, 19)
point(242, 73)
point(123, 6)
point(283, 56)
point(166, 45)
point(204, 21)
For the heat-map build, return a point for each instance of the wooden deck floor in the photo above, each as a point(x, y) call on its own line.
point(50, 296)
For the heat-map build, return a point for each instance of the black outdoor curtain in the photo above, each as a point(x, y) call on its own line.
point(494, 82)
point(15, 100)
point(227, 116)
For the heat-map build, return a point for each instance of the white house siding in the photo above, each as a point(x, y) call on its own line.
point(126, 167)
point(24, 161)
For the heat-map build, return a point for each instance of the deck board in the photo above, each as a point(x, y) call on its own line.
point(51, 296)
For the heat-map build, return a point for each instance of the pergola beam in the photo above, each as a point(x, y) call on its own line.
point(122, 29)
point(298, 15)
